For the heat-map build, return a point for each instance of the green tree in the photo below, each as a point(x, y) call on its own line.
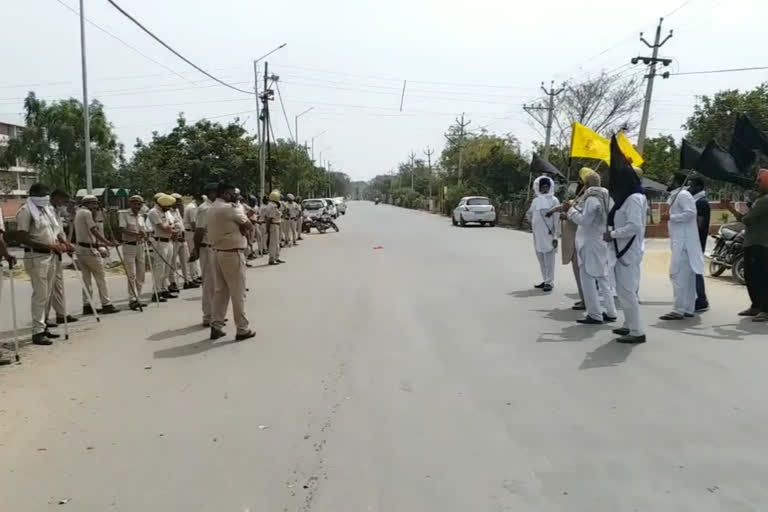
point(52, 142)
point(662, 158)
point(715, 117)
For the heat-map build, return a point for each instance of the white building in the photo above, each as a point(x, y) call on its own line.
point(16, 179)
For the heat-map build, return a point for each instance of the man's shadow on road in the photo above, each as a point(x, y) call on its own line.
point(172, 333)
point(191, 349)
point(609, 354)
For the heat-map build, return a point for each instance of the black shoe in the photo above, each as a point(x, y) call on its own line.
point(135, 306)
point(51, 335)
point(689, 315)
point(173, 288)
point(159, 298)
point(50, 323)
point(168, 295)
point(632, 340)
point(621, 331)
point(540, 285)
point(217, 333)
point(87, 310)
point(4, 361)
point(547, 288)
point(279, 260)
point(608, 319)
point(589, 321)
point(109, 309)
point(299, 238)
point(701, 308)
point(579, 306)
point(274, 262)
point(41, 339)
point(70, 319)
point(245, 336)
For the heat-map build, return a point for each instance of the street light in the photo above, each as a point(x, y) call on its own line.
point(86, 112)
point(313, 143)
point(259, 135)
point(296, 124)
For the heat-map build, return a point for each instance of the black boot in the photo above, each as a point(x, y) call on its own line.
point(217, 333)
point(168, 295)
point(41, 339)
point(51, 335)
point(159, 298)
point(70, 319)
point(108, 310)
point(87, 310)
point(632, 340)
point(173, 288)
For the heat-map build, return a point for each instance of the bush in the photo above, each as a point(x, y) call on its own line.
point(454, 195)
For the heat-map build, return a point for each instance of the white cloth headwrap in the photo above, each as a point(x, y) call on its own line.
point(41, 212)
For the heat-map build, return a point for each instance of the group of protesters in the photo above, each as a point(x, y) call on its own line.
point(603, 237)
point(207, 242)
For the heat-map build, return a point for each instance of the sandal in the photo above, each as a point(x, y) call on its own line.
point(674, 315)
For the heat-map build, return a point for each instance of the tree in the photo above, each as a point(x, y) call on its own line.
point(662, 158)
point(53, 139)
point(715, 117)
point(606, 104)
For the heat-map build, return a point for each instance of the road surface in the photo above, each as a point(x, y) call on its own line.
point(400, 365)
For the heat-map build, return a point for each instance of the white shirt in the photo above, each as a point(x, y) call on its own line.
point(629, 223)
point(190, 212)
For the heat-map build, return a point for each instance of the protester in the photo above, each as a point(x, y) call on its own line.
point(132, 223)
point(7, 256)
point(687, 257)
point(703, 216)
point(546, 229)
point(38, 233)
point(203, 252)
point(91, 244)
point(591, 215)
point(625, 236)
point(227, 230)
point(756, 249)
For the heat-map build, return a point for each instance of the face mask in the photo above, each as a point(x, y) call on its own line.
point(41, 202)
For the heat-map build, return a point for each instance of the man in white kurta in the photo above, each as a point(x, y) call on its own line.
point(591, 219)
point(546, 229)
point(687, 258)
point(626, 242)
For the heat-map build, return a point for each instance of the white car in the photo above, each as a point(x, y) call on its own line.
point(341, 205)
point(474, 209)
point(331, 208)
point(313, 208)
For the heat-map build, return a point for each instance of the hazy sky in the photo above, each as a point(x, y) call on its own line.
point(348, 59)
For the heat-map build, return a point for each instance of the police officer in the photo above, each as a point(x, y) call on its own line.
point(180, 255)
point(37, 232)
point(132, 226)
point(189, 217)
point(227, 233)
point(4, 254)
point(300, 219)
point(285, 222)
point(293, 215)
point(273, 218)
point(162, 223)
point(90, 244)
point(59, 204)
point(261, 226)
point(203, 252)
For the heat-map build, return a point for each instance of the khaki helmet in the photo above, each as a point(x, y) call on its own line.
point(157, 196)
point(275, 196)
point(166, 200)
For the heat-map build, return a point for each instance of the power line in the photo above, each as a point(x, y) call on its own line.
point(712, 71)
point(113, 36)
point(285, 114)
point(169, 48)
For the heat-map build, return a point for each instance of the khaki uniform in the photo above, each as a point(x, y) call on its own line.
point(273, 218)
point(294, 210)
point(88, 258)
point(284, 225)
point(40, 265)
point(163, 249)
point(209, 284)
point(189, 217)
point(179, 248)
point(134, 254)
point(224, 221)
point(299, 220)
point(261, 229)
point(57, 294)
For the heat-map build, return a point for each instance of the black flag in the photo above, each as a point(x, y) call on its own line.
point(747, 139)
point(689, 155)
point(541, 166)
point(717, 164)
point(623, 180)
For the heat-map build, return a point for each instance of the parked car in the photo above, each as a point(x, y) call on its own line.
point(313, 208)
point(330, 207)
point(341, 205)
point(474, 209)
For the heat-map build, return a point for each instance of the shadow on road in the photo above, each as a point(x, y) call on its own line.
point(172, 333)
point(678, 325)
point(560, 315)
point(191, 349)
point(728, 332)
point(523, 294)
point(576, 332)
point(610, 354)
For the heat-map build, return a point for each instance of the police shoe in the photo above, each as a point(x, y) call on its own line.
point(41, 339)
point(136, 306)
point(108, 310)
point(168, 295)
point(190, 285)
point(173, 288)
point(159, 298)
point(50, 323)
point(87, 310)
point(245, 336)
point(51, 335)
point(217, 333)
point(632, 340)
point(60, 319)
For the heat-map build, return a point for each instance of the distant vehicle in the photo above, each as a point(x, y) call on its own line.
point(313, 207)
point(330, 208)
point(376, 201)
point(341, 205)
point(323, 223)
point(474, 209)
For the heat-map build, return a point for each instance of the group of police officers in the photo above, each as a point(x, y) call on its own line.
point(207, 242)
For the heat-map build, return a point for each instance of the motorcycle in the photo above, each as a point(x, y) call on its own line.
point(728, 253)
point(323, 223)
point(376, 201)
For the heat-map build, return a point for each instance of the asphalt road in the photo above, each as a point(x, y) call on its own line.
point(424, 375)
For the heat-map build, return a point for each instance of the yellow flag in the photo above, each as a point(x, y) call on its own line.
point(629, 150)
point(587, 144)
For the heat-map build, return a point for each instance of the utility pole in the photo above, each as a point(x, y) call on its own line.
point(329, 180)
point(462, 125)
point(550, 109)
point(267, 95)
point(413, 156)
point(428, 153)
point(651, 63)
point(258, 128)
point(86, 109)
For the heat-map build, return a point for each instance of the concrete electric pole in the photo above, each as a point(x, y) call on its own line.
point(651, 63)
point(461, 124)
point(428, 153)
point(413, 169)
point(86, 109)
point(550, 109)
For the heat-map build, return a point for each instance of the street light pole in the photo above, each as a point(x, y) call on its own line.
point(259, 134)
point(296, 124)
point(313, 143)
point(86, 110)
